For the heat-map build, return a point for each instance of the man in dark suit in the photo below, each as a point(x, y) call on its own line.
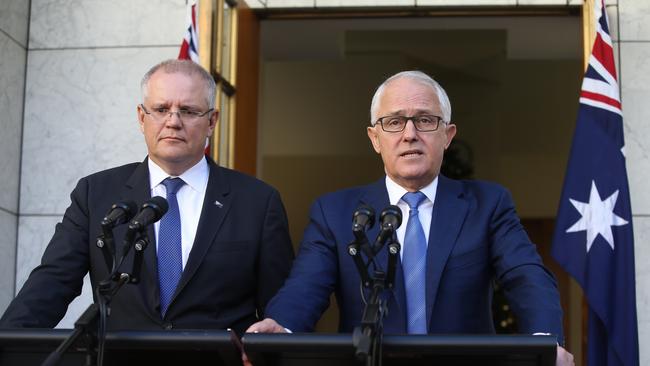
point(215, 263)
point(458, 236)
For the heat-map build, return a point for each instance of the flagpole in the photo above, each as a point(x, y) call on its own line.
point(588, 30)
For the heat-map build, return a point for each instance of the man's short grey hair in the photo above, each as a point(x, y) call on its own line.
point(186, 67)
point(445, 104)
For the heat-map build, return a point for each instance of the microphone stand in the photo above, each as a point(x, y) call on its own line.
point(92, 323)
point(367, 337)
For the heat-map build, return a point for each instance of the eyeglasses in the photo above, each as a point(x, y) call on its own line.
point(185, 114)
point(423, 123)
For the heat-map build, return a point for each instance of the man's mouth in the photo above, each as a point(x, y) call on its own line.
point(172, 138)
point(410, 153)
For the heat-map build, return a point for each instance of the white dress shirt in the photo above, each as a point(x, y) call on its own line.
point(425, 210)
point(190, 199)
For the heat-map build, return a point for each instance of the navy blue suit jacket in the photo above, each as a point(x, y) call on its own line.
point(241, 255)
point(475, 238)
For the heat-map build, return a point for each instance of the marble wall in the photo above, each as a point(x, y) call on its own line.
point(14, 23)
point(86, 59)
point(633, 42)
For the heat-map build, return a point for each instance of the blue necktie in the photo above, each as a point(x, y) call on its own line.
point(170, 257)
point(414, 260)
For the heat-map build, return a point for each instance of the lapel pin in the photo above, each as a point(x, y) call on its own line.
point(218, 204)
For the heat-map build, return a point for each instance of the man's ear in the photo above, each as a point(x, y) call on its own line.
point(213, 122)
point(141, 115)
point(450, 132)
point(373, 135)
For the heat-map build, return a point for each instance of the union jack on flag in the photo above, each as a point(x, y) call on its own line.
point(189, 47)
point(593, 239)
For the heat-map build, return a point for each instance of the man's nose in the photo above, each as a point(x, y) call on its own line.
point(410, 132)
point(173, 119)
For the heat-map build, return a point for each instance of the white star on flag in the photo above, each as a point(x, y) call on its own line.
point(598, 217)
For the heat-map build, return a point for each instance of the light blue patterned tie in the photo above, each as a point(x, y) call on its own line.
point(170, 257)
point(414, 260)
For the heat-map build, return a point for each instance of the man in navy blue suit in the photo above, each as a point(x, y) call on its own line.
point(458, 236)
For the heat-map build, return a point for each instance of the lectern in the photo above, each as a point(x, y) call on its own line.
point(452, 350)
point(26, 347)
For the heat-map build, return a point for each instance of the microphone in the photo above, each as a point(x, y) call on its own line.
point(363, 219)
point(120, 213)
point(390, 219)
point(150, 212)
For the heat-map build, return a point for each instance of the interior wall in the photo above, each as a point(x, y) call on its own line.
point(516, 114)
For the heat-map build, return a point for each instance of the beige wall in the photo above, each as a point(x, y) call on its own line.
point(518, 118)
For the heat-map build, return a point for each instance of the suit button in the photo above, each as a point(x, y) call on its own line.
point(168, 326)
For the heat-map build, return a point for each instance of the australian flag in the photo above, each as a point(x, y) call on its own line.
point(190, 46)
point(593, 238)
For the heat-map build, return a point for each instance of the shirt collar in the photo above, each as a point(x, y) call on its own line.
point(195, 177)
point(395, 191)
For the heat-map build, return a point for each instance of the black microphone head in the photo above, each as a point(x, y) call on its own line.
point(391, 216)
point(151, 211)
point(120, 213)
point(363, 218)
point(159, 206)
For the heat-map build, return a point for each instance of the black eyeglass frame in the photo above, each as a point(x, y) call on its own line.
point(178, 112)
point(413, 119)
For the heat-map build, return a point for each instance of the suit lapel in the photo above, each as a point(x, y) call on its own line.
point(216, 205)
point(139, 191)
point(376, 196)
point(448, 216)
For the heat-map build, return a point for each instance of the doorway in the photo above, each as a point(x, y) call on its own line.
point(513, 81)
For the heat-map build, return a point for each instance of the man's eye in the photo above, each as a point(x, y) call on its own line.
point(161, 110)
point(189, 112)
point(426, 120)
point(394, 122)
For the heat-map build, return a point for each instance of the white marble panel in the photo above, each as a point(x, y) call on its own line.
point(12, 85)
point(541, 2)
point(80, 117)
point(634, 20)
point(289, 3)
point(8, 234)
point(35, 233)
point(256, 4)
point(464, 2)
point(100, 23)
point(641, 258)
point(612, 17)
point(363, 3)
point(635, 84)
point(14, 19)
